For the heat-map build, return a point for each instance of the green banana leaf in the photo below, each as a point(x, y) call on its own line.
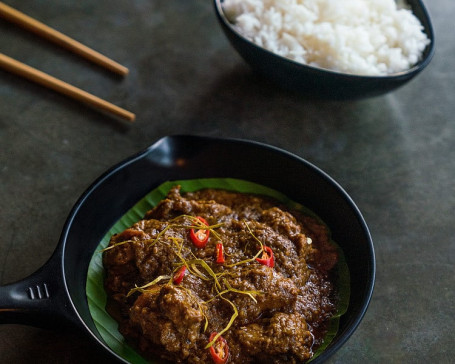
point(96, 295)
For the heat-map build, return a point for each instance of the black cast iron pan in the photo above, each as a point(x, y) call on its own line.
point(55, 295)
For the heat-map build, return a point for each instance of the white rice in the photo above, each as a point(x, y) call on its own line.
point(367, 37)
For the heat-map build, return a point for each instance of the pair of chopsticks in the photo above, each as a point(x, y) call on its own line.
point(32, 74)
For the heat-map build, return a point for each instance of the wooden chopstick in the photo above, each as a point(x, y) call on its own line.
point(55, 84)
point(25, 21)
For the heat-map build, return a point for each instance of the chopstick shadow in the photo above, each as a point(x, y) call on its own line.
point(23, 40)
point(28, 39)
point(77, 108)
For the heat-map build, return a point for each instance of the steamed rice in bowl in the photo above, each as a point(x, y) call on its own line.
point(364, 37)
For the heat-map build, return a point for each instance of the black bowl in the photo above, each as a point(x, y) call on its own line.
point(318, 82)
point(55, 295)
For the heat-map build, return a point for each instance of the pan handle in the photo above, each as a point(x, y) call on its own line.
point(38, 300)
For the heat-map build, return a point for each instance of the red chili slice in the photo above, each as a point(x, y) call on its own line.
point(267, 257)
point(219, 350)
point(219, 253)
point(200, 237)
point(178, 276)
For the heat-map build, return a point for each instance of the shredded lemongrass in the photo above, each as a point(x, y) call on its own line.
point(254, 236)
point(228, 326)
point(116, 245)
point(206, 324)
point(199, 273)
point(246, 260)
point(190, 266)
point(178, 242)
point(209, 270)
point(161, 233)
point(249, 293)
point(197, 224)
point(215, 234)
point(152, 241)
point(201, 309)
point(257, 254)
point(143, 288)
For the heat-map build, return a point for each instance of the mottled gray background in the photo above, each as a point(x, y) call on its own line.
point(394, 155)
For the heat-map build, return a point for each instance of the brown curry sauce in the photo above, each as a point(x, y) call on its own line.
point(266, 314)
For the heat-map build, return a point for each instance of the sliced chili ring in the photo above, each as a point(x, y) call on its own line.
point(199, 237)
point(267, 257)
point(219, 350)
point(219, 253)
point(178, 276)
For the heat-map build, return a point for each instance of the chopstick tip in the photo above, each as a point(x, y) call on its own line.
point(121, 70)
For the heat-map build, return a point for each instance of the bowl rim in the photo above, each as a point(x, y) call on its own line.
point(427, 54)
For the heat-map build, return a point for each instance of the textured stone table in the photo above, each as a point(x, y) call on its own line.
point(394, 154)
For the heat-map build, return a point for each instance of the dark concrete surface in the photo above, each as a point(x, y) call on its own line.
point(394, 154)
